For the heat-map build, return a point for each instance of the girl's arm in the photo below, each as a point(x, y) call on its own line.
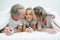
point(19, 28)
point(24, 28)
point(34, 27)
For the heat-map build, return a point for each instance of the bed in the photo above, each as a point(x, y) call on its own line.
point(30, 36)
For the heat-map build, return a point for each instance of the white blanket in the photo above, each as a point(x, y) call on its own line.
point(30, 36)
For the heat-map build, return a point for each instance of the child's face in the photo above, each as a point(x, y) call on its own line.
point(29, 17)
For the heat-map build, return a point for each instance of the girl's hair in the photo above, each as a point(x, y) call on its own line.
point(40, 12)
point(14, 9)
point(29, 8)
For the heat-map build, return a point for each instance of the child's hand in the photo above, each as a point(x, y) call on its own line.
point(9, 30)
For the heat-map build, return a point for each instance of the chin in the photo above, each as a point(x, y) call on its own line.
point(29, 20)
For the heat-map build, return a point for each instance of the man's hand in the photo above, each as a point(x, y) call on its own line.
point(9, 30)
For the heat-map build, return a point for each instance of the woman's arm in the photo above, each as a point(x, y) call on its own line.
point(39, 26)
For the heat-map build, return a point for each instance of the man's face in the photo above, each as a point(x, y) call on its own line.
point(22, 14)
point(15, 17)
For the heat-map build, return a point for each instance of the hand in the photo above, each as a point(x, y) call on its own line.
point(9, 30)
point(29, 30)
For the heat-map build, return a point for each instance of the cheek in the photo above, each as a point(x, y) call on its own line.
point(22, 16)
point(28, 18)
point(15, 17)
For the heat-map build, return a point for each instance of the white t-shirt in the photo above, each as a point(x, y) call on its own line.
point(14, 23)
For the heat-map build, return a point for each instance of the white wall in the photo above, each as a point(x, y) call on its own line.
point(47, 4)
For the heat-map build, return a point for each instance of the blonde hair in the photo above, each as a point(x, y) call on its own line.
point(40, 12)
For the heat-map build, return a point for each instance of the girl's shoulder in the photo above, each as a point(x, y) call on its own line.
point(34, 21)
point(25, 21)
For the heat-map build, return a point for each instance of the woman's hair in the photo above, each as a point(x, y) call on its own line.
point(14, 9)
point(40, 12)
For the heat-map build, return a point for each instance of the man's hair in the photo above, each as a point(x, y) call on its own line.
point(14, 9)
point(40, 12)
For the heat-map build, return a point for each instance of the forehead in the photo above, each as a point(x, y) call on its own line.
point(22, 11)
point(28, 10)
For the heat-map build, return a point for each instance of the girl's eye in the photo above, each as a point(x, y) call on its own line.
point(28, 14)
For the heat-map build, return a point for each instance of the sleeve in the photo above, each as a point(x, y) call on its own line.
point(12, 24)
point(34, 22)
point(20, 22)
point(25, 22)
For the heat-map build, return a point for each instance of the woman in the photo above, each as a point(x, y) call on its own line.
point(44, 20)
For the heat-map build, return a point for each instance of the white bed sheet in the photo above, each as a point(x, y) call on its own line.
point(31, 36)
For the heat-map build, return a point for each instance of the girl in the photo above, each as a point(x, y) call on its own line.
point(30, 22)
